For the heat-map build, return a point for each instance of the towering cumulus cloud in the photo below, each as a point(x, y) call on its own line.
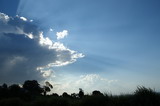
point(26, 54)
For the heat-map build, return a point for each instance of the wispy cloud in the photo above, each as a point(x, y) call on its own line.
point(26, 53)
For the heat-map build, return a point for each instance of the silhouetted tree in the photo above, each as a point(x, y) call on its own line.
point(15, 95)
point(4, 90)
point(81, 93)
point(4, 86)
point(65, 94)
point(48, 84)
point(14, 90)
point(97, 93)
point(33, 87)
point(55, 95)
point(47, 87)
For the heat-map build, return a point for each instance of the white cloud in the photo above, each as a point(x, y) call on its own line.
point(23, 18)
point(30, 35)
point(45, 41)
point(4, 17)
point(88, 83)
point(46, 73)
point(61, 35)
point(94, 81)
point(51, 29)
point(26, 53)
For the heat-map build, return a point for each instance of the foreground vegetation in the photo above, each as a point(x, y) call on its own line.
point(31, 94)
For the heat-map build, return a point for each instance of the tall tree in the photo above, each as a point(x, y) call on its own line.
point(81, 93)
point(47, 87)
point(33, 87)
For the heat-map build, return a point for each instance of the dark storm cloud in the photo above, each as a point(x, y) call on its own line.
point(26, 54)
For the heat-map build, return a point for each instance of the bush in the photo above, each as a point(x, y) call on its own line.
point(146, 96)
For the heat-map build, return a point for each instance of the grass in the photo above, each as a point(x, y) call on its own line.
point(141, 97)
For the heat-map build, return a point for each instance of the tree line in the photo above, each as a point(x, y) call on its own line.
point(31, 93)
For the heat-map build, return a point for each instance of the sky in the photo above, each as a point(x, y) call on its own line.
point(107, 45)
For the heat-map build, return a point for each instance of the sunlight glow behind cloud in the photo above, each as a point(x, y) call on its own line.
point(26, 53)
point(120, 41)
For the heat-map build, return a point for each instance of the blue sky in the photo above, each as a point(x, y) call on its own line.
point(120, 41)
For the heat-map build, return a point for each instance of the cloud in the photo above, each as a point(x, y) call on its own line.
point(26, 54)
point(88, 83)
point(90, 79)
point(51, 29)
point(23, 18)
point(61, 35)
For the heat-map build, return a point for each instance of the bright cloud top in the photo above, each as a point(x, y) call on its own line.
point(61, 35)
point(26, 53)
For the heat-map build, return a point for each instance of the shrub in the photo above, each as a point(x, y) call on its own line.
point(146, 96)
